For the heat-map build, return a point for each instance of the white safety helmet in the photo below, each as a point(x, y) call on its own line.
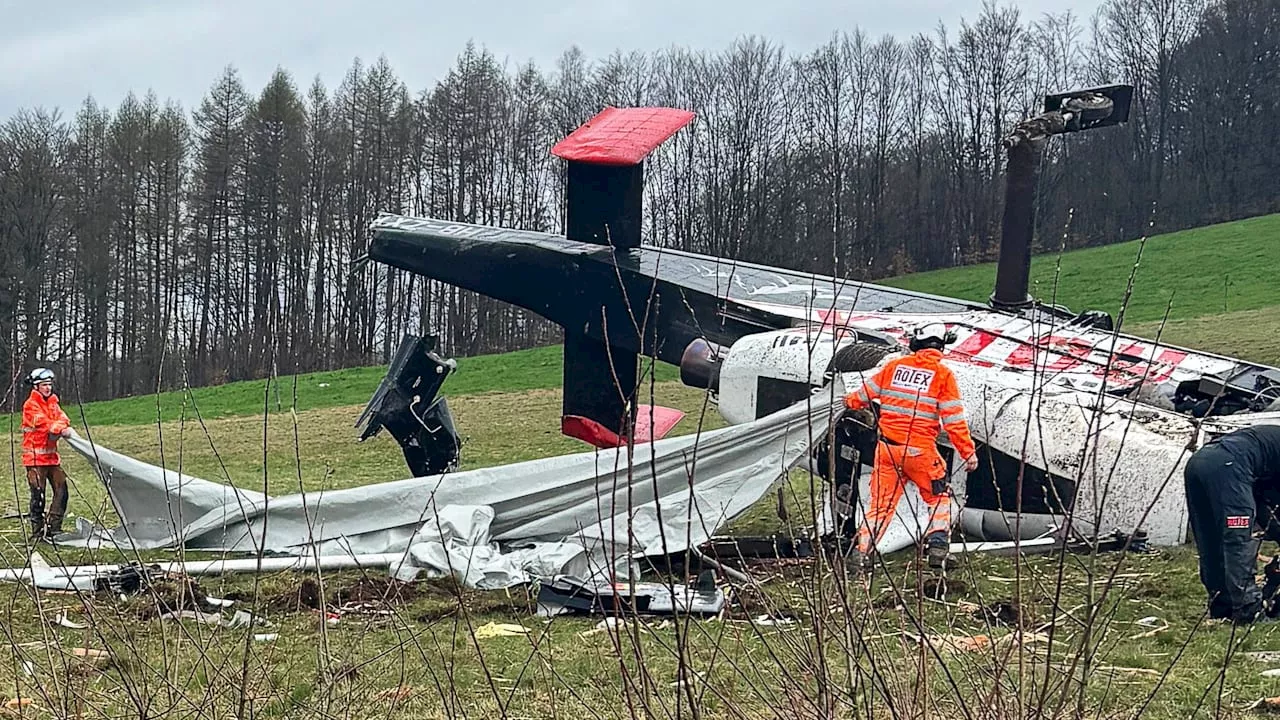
point(931, 335)
point(40, 375)
point(932, 331)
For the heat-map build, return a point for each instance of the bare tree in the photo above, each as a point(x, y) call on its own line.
point(214, 204)
point(275, 196)
point(32, 146)
point(92, 208)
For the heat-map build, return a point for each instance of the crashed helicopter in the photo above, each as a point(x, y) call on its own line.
point(1082, 430)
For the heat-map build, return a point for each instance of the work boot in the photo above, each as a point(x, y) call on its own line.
point(938, 552)
point(937, 557)
point(1253, 615)
point(860, 561)
point(35, 514)
point(53, 526)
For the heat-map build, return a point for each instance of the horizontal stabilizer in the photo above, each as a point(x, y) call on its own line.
point(653, 422)
point(621, 136)
point(604, 187)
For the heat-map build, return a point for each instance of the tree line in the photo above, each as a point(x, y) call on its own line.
point(146, 247)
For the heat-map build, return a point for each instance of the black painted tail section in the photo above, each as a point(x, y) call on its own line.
point(599, 391)
point(605, 206)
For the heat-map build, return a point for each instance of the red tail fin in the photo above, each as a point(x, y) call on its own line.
point(653, 422)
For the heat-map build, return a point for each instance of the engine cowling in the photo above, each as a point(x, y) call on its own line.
point(763, 373)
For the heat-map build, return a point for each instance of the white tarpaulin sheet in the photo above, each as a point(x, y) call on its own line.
point(492, 527)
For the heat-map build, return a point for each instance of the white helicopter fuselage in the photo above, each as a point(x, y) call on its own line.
point(1055, 396)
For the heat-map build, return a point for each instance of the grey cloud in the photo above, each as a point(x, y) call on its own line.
point(55, 53)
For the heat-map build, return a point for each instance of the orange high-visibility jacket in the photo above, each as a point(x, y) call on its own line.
point(919, 398)
point(42, 422)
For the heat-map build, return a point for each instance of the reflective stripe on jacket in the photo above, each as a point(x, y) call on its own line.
point(42, 422)
point(919, 398)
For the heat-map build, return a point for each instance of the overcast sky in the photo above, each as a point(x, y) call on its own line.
point(57, 52)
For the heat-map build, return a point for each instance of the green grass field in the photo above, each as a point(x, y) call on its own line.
point(1205, 271)
point(1218, 285)
point(854, 650)
point(536, 369)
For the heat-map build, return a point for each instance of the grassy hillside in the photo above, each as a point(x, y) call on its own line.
point(1218, 285)
point(536, 369)
point(1205, 271)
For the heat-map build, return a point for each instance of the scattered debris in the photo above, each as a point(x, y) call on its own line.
point(367, 609)
point(687, 682)
point(241, 618)
point(166, 593)
point(605, 625)
point(937, 588)
point(1006, 547)
point(1007, 613)
point(395, 695)
point(63, 621)
point(1156, 624)
point(96, 658)
point(1271, 704)
point(494, 629)
point(330, 618)
point(597, 597)
point(983, 641)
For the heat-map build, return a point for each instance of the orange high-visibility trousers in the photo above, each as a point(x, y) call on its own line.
point(894, 467)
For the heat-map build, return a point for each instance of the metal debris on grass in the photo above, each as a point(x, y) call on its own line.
point(62, 620)
point(494, 629)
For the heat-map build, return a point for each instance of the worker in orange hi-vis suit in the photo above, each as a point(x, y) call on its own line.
point(43, 422)
point(918, 398)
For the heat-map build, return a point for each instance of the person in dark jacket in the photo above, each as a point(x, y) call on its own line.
point(1232, 485)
